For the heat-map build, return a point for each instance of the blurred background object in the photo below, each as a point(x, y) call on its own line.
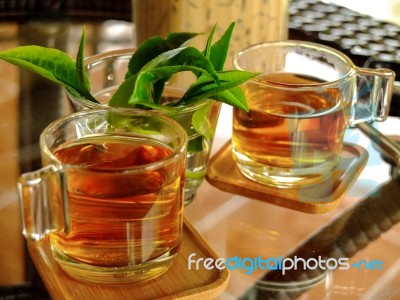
point(256, 21)
point(88, 10)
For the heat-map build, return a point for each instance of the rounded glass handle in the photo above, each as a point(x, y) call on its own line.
point(374, 88)
point(34, 191)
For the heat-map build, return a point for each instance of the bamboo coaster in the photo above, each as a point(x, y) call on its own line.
point(178, 282)
point(319, 198)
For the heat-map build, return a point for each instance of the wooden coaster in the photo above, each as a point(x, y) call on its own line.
point(178, 282)
point(319, 198)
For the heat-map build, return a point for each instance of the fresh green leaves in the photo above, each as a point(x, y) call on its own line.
point(148, 51)
point(141, 86)
point(167, 64)
point(144, 82)
point(151, 66)
point(49, 63)
point(155, 46)
point(53, 65)
point(225, 91)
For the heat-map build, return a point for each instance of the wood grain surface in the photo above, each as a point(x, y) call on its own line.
point(178, 282)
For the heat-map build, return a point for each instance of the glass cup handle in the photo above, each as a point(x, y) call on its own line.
point(374, 88)
point(34, 194)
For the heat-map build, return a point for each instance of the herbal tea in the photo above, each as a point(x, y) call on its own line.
point(119, 217)
point(289, 130)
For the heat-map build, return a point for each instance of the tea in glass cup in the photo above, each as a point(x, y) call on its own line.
point(300, 107)
point(110, 195)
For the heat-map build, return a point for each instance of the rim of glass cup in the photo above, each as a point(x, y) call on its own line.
point(176, 152)
point(352, 69)
point(95, 59)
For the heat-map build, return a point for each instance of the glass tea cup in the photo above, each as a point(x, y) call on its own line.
point(110, 195)
point(300, 106)
point(106, 71)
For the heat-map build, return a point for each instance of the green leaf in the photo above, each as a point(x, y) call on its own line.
point(185, 57)
point(139, 125)
point(153, 47)
point(201, 123)
point(196, 144)
point(140, 89)
point(50, 63)
point(219, 50)
point(123, 93)
point(143, 91)
point(79, 65)
point(182, 59)
point(118, 100)
point(196, 174)
point(79, 97)
point(234, 97)
point(204, 88)
point(207, 51)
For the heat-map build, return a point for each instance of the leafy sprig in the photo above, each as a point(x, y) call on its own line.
point(150, 67)
point(154, 62)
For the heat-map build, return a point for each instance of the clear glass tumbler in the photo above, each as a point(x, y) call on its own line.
point(300, 106)
point(110, 194)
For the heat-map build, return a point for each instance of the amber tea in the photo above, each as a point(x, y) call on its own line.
point(289, 131)
point(119, 219)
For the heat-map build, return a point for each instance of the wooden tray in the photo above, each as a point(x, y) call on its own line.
point(325, 196)
point(176, 283)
